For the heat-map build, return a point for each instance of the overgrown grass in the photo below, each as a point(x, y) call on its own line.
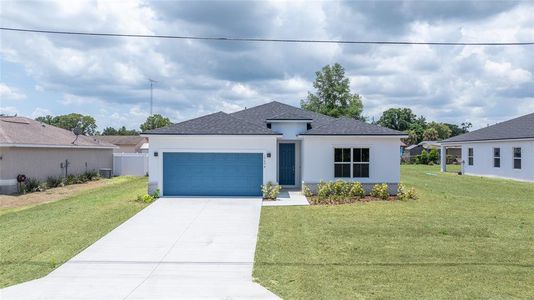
point(35, 240)
point(465, 237)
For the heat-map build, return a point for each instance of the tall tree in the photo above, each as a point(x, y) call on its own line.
point(84, 123)
point(397, 118)
point(444, 132)
point(155, 121)
point(430, 134)
point(333, 96)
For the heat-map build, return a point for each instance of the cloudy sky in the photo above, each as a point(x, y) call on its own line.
point(108, 77)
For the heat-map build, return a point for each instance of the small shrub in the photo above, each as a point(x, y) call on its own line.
point(146, 198)
point(405, 194)
point(306, 191)
point(155, 194)
point(422, 158)
point(53, 182)
point(325, 189)
point(356, 190)
point(380, 191)
point(433, 156)
point(70, 179)
point(33, 185)
point(91, 175)
point(270, 191)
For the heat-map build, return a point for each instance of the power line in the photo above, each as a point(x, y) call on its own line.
point(236, 39)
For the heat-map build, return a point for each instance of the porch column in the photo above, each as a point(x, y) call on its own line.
point(443, 157)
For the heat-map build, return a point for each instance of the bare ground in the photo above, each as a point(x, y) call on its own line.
point(55, 194)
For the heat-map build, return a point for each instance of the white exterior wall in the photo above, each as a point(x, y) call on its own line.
point(318, 158)
point(205, 143)
point(290, 130)
point(483, 159)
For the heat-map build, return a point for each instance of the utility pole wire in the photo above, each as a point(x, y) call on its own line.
point(236, 39)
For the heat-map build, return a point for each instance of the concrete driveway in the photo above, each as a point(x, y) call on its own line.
point(177, 248)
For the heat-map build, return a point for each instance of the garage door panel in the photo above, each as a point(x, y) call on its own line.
point(212, 174)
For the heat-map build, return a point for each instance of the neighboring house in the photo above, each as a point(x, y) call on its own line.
point(412, 151)
point(234, 154)
point(402, 148)
point(125, 143)
point(39, 150)
point(502, 150)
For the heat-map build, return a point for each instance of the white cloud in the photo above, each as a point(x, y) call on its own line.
point(39, 111)
point(10, 93)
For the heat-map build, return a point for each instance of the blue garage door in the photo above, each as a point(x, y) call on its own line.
point(212, 174)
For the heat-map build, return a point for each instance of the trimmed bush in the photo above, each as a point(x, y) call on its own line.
point(306, 191)
point(380, 191)
point(356, 190)
point(433, 156)
point(270, 191)
point(405, 194)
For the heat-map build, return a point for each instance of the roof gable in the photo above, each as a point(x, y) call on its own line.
point(219, 123)
point(518, 128)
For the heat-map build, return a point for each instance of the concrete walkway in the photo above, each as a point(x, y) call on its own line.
point(177, 248)
point(288, 197)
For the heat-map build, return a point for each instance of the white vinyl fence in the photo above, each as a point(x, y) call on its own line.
point(134, 164)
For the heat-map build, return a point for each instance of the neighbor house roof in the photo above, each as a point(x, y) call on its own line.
point(219, 123)
point(26, 132)
point(252, 121)
point(121, 139)
point(347, 126)
point(518, 128)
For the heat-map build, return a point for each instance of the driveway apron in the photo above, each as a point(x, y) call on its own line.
point(177, 248)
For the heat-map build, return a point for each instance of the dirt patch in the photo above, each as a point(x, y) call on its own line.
point(55, 194)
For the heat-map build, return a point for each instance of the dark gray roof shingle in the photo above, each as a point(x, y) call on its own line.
point(219, 123)
point(347, 126)
point(258, 114)
point(518, 128)
point(291, 116)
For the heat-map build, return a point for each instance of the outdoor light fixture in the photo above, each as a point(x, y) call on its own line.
point(269, 154)
point(156, 153)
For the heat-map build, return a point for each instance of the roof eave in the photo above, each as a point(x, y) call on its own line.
point(488, 140)
point(351, 134)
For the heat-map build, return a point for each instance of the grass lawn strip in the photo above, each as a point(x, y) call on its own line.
point(465, 237)
point(37, 239)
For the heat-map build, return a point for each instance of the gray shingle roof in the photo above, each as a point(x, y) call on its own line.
point(347, 126)
point(219, 123)
point(518, 128)
point(122, 139)
point(291, 116)
point(252, 121)
point(22, 131)
point(258, 114)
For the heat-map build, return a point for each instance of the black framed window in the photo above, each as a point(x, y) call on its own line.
point(470, 156)
point(517, 157)
point(342, 162)
point(496, 157)
point(351, 162)
point(360, 162)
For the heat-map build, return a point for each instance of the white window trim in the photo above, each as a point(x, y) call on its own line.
point(351, 162)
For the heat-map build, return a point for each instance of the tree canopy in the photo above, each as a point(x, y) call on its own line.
point(121, 131)
point(155, 121)
point(398, 118)
point(85, 124)
point(333, 96)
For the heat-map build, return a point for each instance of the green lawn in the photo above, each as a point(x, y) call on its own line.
point(35, 240)
point(466, 237)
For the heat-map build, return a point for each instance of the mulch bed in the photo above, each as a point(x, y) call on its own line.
point(314, 200)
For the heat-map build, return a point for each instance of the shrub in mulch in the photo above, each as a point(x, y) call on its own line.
point(339, 192)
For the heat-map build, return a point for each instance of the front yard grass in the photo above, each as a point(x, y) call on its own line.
point(465, 237)
point(36, 239)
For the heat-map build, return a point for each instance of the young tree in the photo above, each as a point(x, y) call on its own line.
point(86, 124)
point(412, 138)
point(444, 132)
point(155, 121)
point(397, 118)
point(333, 96)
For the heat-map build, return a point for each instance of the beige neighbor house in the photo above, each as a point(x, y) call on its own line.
point(125, 143)
point(39, 150)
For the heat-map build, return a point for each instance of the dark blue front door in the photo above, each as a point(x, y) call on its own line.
point(212, 174)
point(286, 164)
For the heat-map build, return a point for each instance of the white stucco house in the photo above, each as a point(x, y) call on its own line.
point(503, 150)
point(234, 154)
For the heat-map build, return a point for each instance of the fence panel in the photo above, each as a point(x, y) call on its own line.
point(134, 164)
